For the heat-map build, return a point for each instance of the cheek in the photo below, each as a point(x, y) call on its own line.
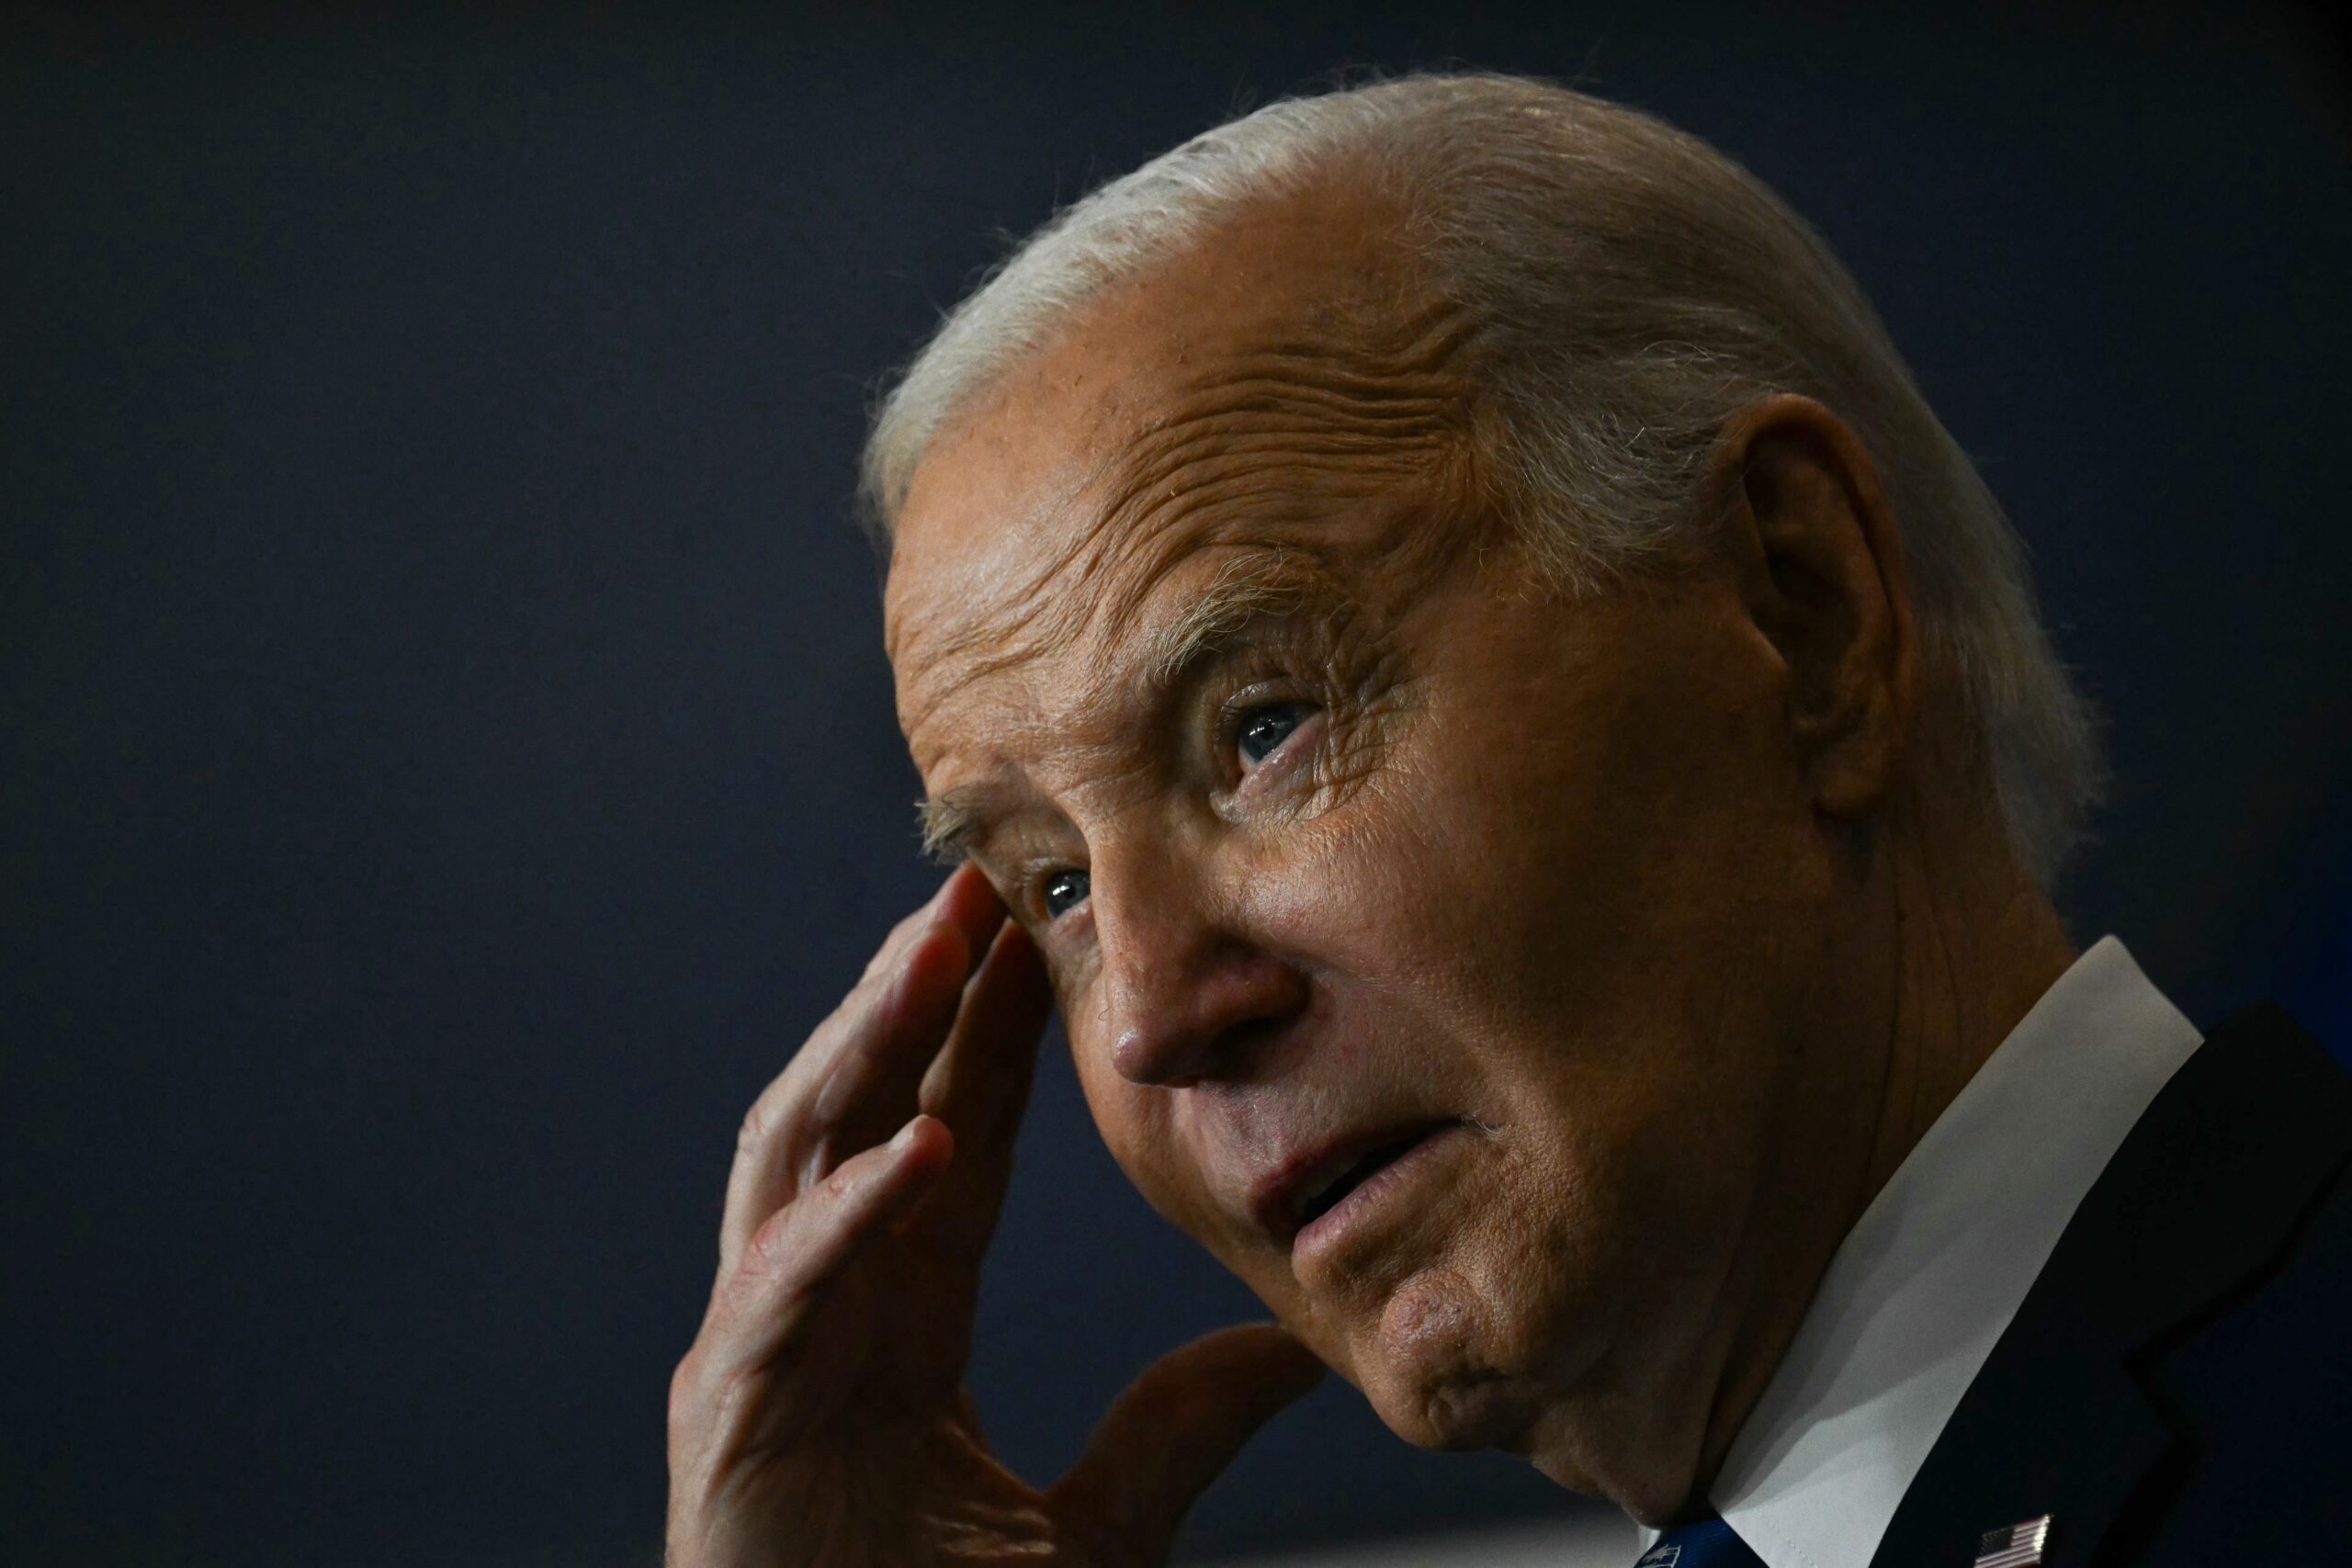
point(1138, 1127)
point(1615, 845)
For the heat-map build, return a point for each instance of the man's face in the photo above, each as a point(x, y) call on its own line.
point(1430, 946)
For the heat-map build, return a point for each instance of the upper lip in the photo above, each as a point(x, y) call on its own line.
point(1279, 1200)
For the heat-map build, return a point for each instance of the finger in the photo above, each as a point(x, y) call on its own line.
point(874, 1093)
point(860, 1095)
point(1176, 1428)
point(805, 1246)
point(910, 926)
point(788, 1140)
point(870, 1093)
point(964, 899)
point(855, 1079)
point(963, 905)
point(980, 1084)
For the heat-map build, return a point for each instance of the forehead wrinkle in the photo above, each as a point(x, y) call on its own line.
point(1285, 497)
point(1095, 730)
point(974, 645)
point(1031, 618)
point(1078, 591)
point(1294, 404)
point(963, 658)
point(1300, 425)
point(1346, 415)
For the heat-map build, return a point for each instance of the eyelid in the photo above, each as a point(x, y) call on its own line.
point(1247, 699)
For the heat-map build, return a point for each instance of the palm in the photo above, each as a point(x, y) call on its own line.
point(873, 1424)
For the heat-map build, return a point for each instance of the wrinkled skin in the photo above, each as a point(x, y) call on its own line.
point(1670, 909)
point(820, 1416)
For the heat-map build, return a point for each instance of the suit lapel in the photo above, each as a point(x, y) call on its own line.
point(2067, 1416)
point(2053, 1425)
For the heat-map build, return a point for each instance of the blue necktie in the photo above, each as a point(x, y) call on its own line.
point(1705, 1542)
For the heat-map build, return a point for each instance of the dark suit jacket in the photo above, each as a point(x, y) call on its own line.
point(2175, 1391)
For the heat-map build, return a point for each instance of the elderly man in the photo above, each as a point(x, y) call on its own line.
point(1444, 637)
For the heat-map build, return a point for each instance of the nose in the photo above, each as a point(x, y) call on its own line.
point(1187, 993)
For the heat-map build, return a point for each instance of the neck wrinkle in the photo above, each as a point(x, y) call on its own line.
point(1975, 945)
point(1978, 945)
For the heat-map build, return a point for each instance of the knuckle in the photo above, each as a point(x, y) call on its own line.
point(774, 1246)
point(840, 1184)
point(704, 1402)
point(685, 1390)
point(764, 1255)
point(736, 1395)
point(752, 1134)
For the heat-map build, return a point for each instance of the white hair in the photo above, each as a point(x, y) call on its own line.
point(1633, 289)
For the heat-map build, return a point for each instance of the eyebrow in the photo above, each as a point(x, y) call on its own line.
point(1250, 588)
point(951, 824)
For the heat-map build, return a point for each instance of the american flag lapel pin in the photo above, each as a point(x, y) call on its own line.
point(2014, 1546)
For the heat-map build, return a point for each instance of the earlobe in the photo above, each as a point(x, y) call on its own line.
point(1821, 570)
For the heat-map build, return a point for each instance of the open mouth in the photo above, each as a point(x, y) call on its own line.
point(1319, 1193)
point(1328, 1197)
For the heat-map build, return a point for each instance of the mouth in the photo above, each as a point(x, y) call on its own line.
point(1306, 1190)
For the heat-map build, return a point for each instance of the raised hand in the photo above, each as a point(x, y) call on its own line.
point(819, 1418)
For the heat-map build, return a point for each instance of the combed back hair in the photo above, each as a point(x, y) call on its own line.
point(1631, 288)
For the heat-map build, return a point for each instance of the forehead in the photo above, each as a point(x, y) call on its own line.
point(1288, 387)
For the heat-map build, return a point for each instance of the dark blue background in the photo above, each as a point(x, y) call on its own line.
point(449, 762)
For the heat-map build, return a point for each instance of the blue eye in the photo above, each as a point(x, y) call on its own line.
point(1064, 891)
point(1264, 729)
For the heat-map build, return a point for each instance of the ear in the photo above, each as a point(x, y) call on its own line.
point(1819, 564)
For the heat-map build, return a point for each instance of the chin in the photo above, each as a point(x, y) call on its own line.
point(1429, 1369)
point(1614, 1448)
point(1489, 1412)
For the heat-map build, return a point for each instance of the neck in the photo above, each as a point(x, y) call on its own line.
point(1978, 945)
point(1975, 944)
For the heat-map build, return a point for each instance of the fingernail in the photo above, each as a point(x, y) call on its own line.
point(906, 1136)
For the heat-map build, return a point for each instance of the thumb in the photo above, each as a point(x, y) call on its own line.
point(1177, 1426)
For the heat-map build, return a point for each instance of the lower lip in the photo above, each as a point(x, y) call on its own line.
point(1361, 1207)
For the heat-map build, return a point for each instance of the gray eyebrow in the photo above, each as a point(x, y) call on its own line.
point(950, 825)
point(1249, 587)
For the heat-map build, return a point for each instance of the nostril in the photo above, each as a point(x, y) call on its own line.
point(1248, 1036)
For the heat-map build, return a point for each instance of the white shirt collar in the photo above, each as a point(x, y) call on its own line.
point(1933, 1272)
